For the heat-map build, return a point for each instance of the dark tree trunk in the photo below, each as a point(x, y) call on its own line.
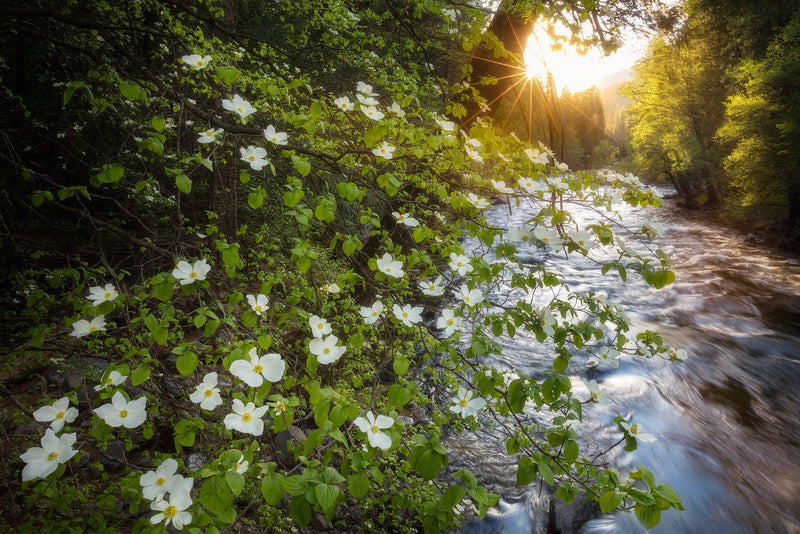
point(513, 31)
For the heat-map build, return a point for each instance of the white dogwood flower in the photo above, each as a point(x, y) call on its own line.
point(157, 483)
point(460, 263)
point(449, 322)
point(174, 509)
point(259, 303)
point(239, 105)
point(209, 136)
point(83, 327)
point(186, 273)
point(344, 104)
point(470, 297)
point(372, 313)
point(114, 378)
point(41, 461)
point(246, 418)
point(465, 405)
point(385, 151)
point(253, 372)
point(319, 326)
point(408, 315)
point(390, 266)
point(206, 393)
point(274, 137)
point(57, 414)
point(99, 295)
point(255, 156)
point(121, 412)
point(432, 289)
point(196, 61)
point(327, 350)
point(372, 427)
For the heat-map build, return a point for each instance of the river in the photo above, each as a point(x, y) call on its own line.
point(727, 420)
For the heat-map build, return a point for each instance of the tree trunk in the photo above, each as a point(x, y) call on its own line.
point(503, 72)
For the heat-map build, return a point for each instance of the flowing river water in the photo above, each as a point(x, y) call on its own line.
point(727, 420)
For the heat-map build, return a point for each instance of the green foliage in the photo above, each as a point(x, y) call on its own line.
point(248, 267)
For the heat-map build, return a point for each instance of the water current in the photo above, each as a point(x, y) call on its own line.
point(727, 420)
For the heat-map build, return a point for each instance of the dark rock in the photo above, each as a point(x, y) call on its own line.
point(72, 373)
point(113, 457)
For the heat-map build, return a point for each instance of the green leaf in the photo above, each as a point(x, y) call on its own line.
point(158, 123)
point(215, 494)
point(571, 451)
point(609, 502)
point(300, 511)
point(140, 375)
point(649, 516)
point(451, 497)
point(228, 75)
point(291, 198)
point(272, 488)
point(526, 471)
point(358, 484)
point(326, 496)
point(235, 481)
point(641, 497)
point(184, 183)
point(294, 485)
point(550, 390)
point(668, 494)
point(256, 198)
point(186, 363)
point(301, 165)
point(546, 472)
point(160, 335)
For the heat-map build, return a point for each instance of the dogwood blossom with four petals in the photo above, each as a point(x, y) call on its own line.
point(546, 320)
point(583, 238)
point(327, 350)
point(551, 238)
point(206, 394)
point(522, 234)
point(57, 414)
point(501, 187)
point(186, 273)
point(174, 509)
point(372, 427)
point(274, 137)
point(596, 394)
point(447, 126)
point(432, 289)
point(609, 356)
point(239, 105)
point(397, 110)
point(41, 461)
point(636, 431)
point(196, 61)
point(253, 372)
point(319, 326)
point(371, 314)
point(241, 466)
point(365, 89)
point(366, 100)
point(121, 412)
point(372, 112)
point(259, 303)
point(531, 186)
point(385, 151)
point(460, 263)
point(479, 202)
point(209, 136)
point(474, 155)
point(344, 104)
point(390, 266)
point(255, 156)
point(246, 418)
point(82, 327)
point(99, 295)
point(449, 322)
point(536, 156)
point(470, 297)
point(158, 483)
point(408, 315)
point(465, 405)
point(114, 378)
point(404, 218)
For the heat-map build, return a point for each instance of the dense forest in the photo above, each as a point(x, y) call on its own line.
point(717, 107)
point(236, 294)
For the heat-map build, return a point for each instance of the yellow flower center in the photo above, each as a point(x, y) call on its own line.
point(246, 417)
point(170, 511)
point(160, 482)
point(388, 269)
point(60, 415)
point(236, 466)
point(258, 307)
point(200, 63)
point(450, 322)
point(374, 429)
point(92, 328)
point(460, 263)
point(108, 295)
point(524, 238)
point(326, 350)
point(209, 392)
point(258, 368)
point(280, 407)
point(405, 315)
point(634, 429)
point(594, 395)
point(463, 403)
point(108, 381)
point(123, 413)
point(251, 158)
point(466, 299)
point(320, 326)
point(52, 456)
point(240, 110)
point(193, 275)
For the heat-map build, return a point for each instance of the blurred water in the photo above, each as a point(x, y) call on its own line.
point(727, 420)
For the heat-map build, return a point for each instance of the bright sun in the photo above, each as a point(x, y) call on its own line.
point(570, 69)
